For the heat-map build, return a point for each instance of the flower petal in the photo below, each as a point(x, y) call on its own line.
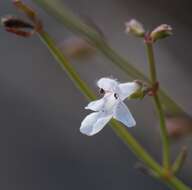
point(107, 84)
point(122, 114)
point(126, 89)
point(109, 103)
point(96, 105)
point(94, 122)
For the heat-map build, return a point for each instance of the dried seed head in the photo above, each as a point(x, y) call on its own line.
point(14, 22)
point(17, 26)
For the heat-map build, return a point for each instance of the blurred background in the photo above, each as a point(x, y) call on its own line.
point(41, 110)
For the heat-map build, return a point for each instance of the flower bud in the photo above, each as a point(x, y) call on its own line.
point(135, 28)
point(139, 90)
point(161, 32)
point(17, 26)
point(14, 22)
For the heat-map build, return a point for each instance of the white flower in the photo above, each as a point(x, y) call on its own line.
point(110, 106)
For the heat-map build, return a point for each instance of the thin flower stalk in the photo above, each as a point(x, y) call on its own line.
point(164, 134)
point(180, 160)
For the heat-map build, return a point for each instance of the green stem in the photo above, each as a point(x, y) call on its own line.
point(151, 61)
point(164, 134)
point(176, 184)
point(178, 164)
point(75, 24)
point(118, 128)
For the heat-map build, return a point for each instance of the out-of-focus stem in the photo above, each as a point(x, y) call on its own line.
point(92, 36)
point(164, 134)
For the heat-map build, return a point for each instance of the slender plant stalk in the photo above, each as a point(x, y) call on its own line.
point(164, 134)
point(118, 128)
point(63, 15)
point(180, 160)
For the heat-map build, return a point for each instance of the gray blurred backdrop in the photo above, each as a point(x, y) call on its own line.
point(41, 110)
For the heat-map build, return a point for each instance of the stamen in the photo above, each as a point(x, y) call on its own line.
point(101, 91)
point(116, 96)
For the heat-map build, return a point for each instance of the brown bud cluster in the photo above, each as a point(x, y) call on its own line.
point(19, 26)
